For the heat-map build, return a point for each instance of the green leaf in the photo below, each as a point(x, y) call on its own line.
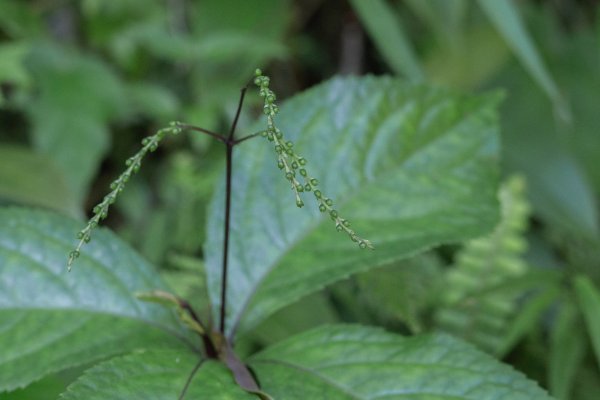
point(535, 145)
point(12, 68)
point(389, 37)
point(411, 167)
point(158, 375)
point(445, 18)
point(506, 18)
point(33, 179)
point(401, 292)
point(70, 124)
point(559, 189)
point(49, 387)
point(152, 100)
point(20, 20)
point(568, 348)
point(353, 362)
point(588, 297)
point(50, 319)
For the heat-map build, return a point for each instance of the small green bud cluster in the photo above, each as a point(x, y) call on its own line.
point(294, 166)
point(149, 144)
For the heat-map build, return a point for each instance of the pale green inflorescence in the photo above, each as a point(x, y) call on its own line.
point(293, 165)
point(149, 144)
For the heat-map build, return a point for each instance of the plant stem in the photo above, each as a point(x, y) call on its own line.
point(229, 144)
point(206, 131)
point(229, 156)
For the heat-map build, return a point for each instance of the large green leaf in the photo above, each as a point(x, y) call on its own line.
point(353, 362)
point(159, 375)
point(410, 166)
point(51, 319)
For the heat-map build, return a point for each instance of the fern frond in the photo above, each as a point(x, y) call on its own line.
point(478, 302)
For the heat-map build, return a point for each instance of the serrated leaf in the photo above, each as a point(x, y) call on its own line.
point(51, 319)
point(157, 375)
point(410, 166)
point(353, 362)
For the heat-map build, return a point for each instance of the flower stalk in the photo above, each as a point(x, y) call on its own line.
point(294, 166)
point(149, 144)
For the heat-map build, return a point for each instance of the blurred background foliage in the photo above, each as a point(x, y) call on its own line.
point(82, 82)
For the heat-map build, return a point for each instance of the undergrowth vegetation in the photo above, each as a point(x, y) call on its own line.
point(402, 202)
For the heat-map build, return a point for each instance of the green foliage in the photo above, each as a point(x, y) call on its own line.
point(567, 351)
point(30, 178)
point(505, 16)
point(113, 271)
point(422, 180)
point(388, 35)
point(156, 374)
point(479, 301)
point(67, 122)
point(80, 78)
point(352, 362)
point(588, 297)
point(402, 292)
point(51, 320)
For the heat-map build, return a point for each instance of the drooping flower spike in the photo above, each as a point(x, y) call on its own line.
point(294, 166)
